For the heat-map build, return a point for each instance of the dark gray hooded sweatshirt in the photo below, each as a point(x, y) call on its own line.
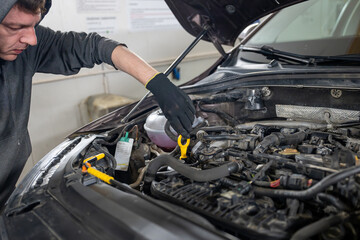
point(57, 53)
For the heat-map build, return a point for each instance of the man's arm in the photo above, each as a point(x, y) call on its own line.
point(129, 62)
point(175, 104)
point(66, 53)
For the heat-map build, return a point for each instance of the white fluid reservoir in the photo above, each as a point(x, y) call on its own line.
point(155, 129)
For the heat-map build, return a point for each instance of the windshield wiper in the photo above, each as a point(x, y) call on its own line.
point(339, 59)
point(274, 54)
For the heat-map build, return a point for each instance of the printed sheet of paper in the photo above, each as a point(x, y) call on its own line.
point(145, 15)
point(98, 5)
point(102, 24)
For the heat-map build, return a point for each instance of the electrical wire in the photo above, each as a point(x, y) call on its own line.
point(311, 192)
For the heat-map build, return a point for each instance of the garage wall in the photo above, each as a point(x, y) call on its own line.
point(55, 100)
point(154, 45)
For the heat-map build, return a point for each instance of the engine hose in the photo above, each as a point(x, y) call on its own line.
point(262, 184)
point(187, 171)
point(222, 137)
point(276, 139)
point(140, 177)
point(311, 192)
point(336, 202)
point(319, 226)
point(283, 124)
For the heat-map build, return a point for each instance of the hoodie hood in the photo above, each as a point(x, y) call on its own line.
point(8, 4)
point(5, 8)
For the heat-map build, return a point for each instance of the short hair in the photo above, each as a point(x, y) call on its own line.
point(32, 6)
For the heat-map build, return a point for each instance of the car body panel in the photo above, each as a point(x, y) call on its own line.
point(277, 142)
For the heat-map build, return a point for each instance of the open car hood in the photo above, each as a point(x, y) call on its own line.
point(226, 19)
point(223, 20)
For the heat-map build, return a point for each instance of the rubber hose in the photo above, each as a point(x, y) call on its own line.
point(311, 192)
point(295, 138)
point(262, 184)
point(319, 226)
point(187, 171)
point(276, 139)
point(222, 137)
point(324, 197)
point(283, 124)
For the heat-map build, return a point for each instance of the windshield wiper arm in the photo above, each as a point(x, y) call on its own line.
point(337, 59)
point(272, 53)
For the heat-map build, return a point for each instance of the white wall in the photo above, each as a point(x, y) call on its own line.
point(55, 99)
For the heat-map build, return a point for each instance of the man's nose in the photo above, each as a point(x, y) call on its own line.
point(29, 37)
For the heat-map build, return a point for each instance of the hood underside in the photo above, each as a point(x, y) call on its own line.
point(226, 19)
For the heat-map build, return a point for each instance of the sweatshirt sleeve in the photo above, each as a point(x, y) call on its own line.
point(67, 52)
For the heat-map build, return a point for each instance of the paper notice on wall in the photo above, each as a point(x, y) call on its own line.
point(98, 5)
point(102, 24)
point(146, 15)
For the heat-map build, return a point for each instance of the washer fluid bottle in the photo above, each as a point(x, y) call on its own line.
point(155, 129)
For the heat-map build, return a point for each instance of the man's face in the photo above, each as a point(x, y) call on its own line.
point(17, 33)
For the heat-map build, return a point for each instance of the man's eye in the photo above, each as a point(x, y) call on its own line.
point(14, 28)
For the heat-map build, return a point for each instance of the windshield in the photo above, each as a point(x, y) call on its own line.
point(315, 27)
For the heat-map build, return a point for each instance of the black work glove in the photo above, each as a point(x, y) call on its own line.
point(174, 103)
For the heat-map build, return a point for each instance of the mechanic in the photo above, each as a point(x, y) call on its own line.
point(27, 48)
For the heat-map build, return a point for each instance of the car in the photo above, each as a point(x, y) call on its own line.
point(273, 154)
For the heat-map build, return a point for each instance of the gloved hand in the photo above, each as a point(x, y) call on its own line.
point(174, 103)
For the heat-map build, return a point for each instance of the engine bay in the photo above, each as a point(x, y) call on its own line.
point(258, 166)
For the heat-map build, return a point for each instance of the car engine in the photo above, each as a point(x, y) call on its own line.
point(259, 165)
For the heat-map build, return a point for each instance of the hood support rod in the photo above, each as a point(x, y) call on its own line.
point(219, 47)
point(216, 43)
point(169, 70)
